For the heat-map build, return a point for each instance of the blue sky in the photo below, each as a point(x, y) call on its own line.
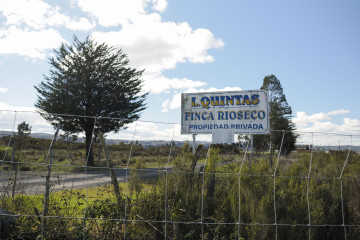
point(313, 47)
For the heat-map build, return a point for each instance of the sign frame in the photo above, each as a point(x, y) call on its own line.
point(240, 112)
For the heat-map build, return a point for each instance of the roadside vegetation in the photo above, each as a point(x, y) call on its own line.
point(185, 197)
point(35, 150)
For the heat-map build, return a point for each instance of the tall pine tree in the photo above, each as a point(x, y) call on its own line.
point(90, 79)
point(280, 119)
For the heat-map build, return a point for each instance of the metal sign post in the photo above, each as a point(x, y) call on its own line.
point(194, 143)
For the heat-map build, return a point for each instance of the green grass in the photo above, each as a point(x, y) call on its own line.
point(67, 203)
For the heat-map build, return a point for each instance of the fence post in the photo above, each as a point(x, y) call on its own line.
point(241, 166)
point(47, 183)
point(2, 171)
point(111, 170)
point(202, 192)
point(341, 189)
point(308, 184)
point(166, 184)
point(12, 161)
point(252, 146)
point(274, 195)
point(16, 169)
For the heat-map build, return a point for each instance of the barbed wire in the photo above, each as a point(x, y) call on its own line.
point(166, 123)
point(168, 169)
point(187, 172)
point(185, 222)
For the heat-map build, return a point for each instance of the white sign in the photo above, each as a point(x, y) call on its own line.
point(245, 112)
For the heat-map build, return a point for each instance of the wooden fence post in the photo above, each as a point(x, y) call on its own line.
point(111, 170)
point(47, 183)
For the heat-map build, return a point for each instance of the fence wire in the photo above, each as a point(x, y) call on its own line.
point(287, 197)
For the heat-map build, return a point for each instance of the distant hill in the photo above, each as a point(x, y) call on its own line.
point(152, 143)
point(156, 143)
point(34, 135)
point(144, 143)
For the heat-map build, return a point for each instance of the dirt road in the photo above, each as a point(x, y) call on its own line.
point(31, 182)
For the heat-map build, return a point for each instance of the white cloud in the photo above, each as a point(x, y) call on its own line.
point(7, 107)
point(157, 46)
point(37, 15)
point(3, 90)
point(26, 12)
point(319, 129)
point(159, 84)
point(175, 102)
point(33, 44)
point(159, 5)
point(213, 89)
point(338, 112)
point(302, 119)
point(351, 126)
point(29, 29)
point(11, 116)
point(113, 12)
point(165, 105)
point(146, 131)
point(82, 24)
point(331, 134)
point(155, 131)
point(151, 43)
point(110, 13)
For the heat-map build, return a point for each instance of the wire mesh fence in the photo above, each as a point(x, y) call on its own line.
point(159, 189)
